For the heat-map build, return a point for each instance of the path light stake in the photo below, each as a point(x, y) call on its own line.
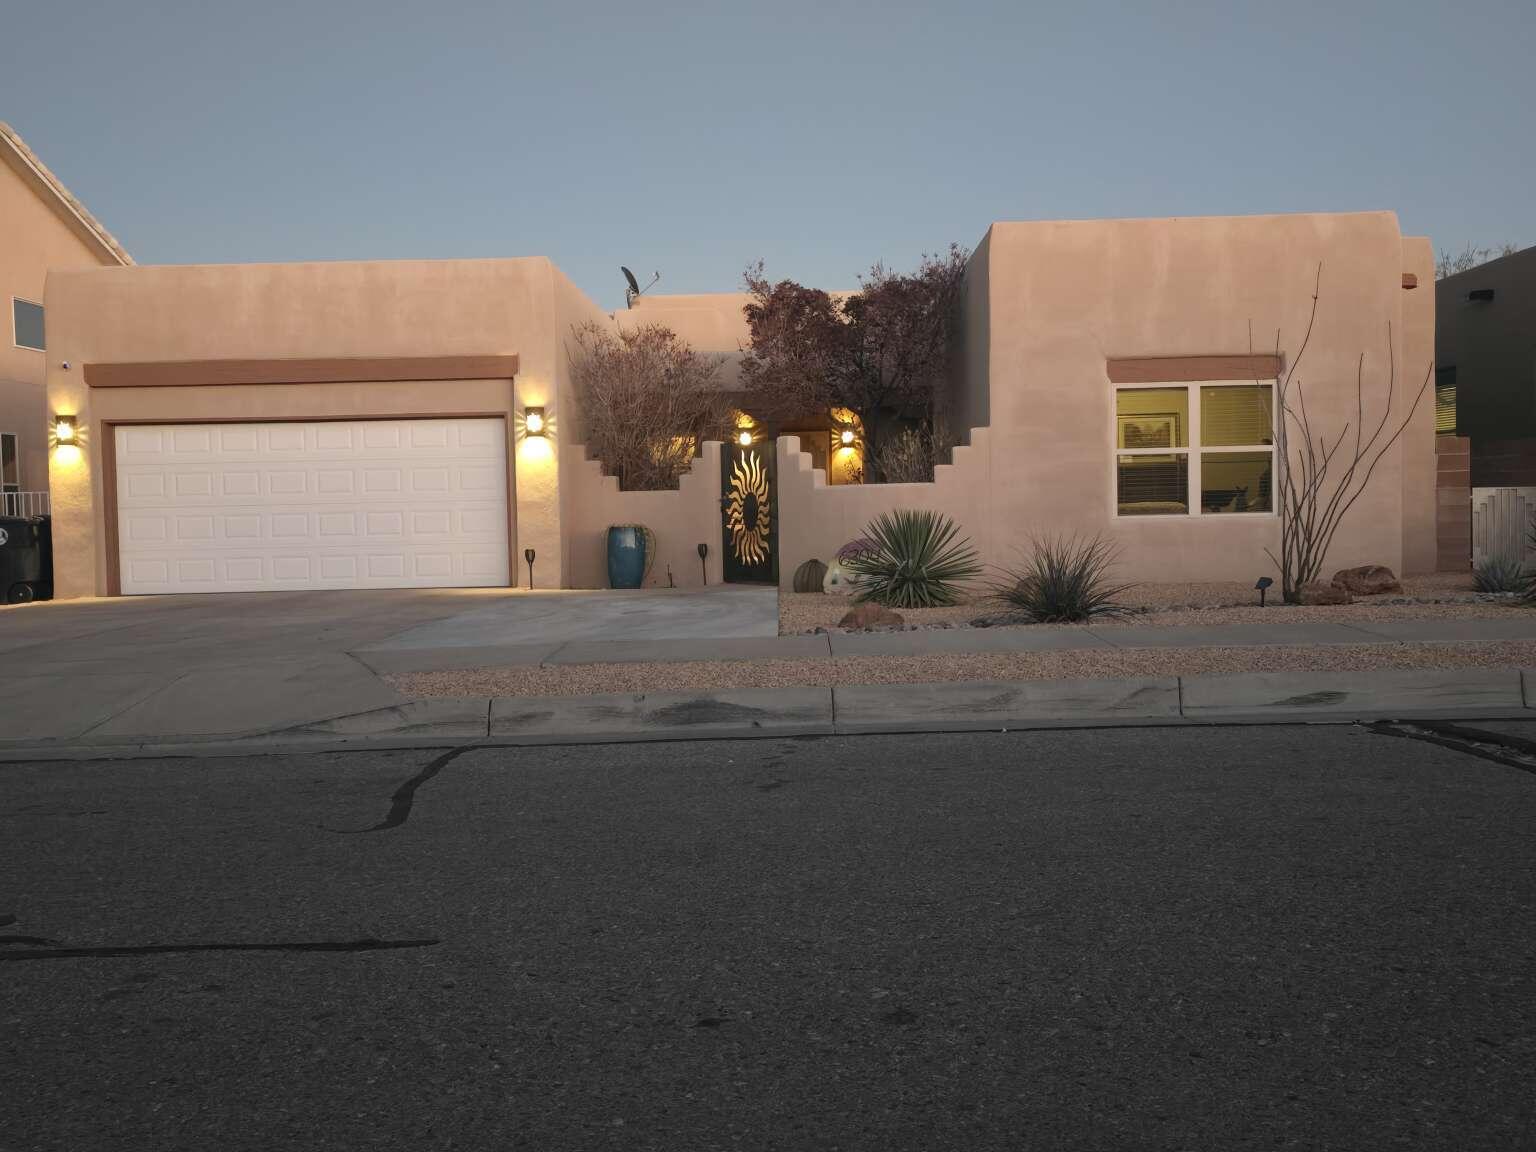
point(528, 556)
point(703, 571)
point(1264, 582)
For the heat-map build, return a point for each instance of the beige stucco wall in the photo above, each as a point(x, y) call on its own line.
point(1067, 295)
point(713, 325)
point(969, 400)
point(1420, 544)
point(681, 520)
point(296, 311)
point(33, 239)
point(817, 518)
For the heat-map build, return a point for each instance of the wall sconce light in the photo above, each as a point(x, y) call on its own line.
point(846, 438)
point(744, 437)
point(533, 422)
point(65, 431)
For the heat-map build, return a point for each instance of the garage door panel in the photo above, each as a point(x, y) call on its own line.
point(360, 504)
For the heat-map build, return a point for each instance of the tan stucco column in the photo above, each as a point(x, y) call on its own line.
point(536, 485)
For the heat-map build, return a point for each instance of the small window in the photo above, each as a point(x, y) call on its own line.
point(1445, 399)
point(10, 463)
point(27, 323)
point(1210, 454)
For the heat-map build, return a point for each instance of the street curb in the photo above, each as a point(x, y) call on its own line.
point(1248, 699)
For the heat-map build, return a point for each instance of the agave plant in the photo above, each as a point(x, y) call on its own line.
point(1065, 581)
point(1502, 574)
point(912, 559)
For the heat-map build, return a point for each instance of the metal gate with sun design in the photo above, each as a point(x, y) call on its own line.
point(750, 515)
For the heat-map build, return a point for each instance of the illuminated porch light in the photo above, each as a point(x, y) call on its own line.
point(744, 437)
point(65, 431)
point(533, 422)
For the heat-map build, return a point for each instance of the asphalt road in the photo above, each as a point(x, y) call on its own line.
point(1143, 939)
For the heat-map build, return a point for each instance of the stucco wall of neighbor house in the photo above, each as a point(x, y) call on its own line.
point(295, 311)
point(1066, 296)
point(1420, 533)
point(817, 518)
point(32, 239)
point(680, 520)
point(1492, 346)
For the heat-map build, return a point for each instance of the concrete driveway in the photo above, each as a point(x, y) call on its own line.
point(208, 665)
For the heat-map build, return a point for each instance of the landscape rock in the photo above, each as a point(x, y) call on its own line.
point(871, 615)
point(1367, 580)
point(1317, 593)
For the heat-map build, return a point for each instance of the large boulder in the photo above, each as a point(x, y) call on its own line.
point(1367, 580)
point(871, 615)
point(1317, 592)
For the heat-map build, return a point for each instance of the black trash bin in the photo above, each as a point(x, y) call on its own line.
point(26, 559)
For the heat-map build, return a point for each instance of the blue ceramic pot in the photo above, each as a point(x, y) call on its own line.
point(626, 558)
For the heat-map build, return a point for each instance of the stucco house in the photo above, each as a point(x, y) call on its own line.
point(42, 226)
point(413, 423)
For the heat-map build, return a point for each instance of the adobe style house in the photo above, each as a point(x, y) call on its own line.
point(413, 423)
point(41, 227)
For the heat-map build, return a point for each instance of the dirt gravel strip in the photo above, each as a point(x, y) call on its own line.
point(1083, 664)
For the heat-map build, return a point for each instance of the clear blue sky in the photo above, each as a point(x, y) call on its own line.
point(821, 136)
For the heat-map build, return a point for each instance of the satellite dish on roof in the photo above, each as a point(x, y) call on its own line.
point(634, 291)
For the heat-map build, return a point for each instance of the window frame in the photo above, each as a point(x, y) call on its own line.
point(16, 336)
point(7, 486)
point(1194, 450)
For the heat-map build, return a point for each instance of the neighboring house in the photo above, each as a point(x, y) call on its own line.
point(413, 423)
point(1485, 356)
point(41, 227)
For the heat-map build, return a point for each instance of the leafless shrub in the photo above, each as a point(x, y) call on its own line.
point(1469, 257)
point(909, 456)
point(650, 400)
point(1320, 483)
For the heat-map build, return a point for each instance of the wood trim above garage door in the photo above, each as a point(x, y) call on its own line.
point(1166, 369)
point(335, 370)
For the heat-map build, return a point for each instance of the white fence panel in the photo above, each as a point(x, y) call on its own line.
point(1501, 524)
point(24, 504)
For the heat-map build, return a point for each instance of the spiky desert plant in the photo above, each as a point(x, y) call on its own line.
point(913, 560)
point(1501, 574)
point(1066, 580)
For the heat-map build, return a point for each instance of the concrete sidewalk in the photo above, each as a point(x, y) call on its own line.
point(176, 670)
point(1254, 698)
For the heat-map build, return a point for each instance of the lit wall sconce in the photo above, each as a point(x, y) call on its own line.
point(533, 422)
point(846, 437)
point(744, 437)
point(66, 432)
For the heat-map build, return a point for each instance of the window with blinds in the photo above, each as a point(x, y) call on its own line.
point(1445, 400)
point(1194, 449)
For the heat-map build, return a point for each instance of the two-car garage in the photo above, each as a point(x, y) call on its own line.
point(255, 506)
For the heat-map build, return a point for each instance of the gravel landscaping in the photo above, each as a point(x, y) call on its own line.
point(1448, 596)
point(1078, 664)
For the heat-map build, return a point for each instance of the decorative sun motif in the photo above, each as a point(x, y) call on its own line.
point(747, 512)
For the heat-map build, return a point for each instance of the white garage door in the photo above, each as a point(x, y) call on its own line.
point(329, 504)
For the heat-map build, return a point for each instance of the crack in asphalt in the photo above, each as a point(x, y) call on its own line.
point(364, 945)
point(38, 940)
point(404, 797)
point(1511, 751)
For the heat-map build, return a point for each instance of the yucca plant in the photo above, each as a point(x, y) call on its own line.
point(1502, 574)
point(1065, 581)
point(912, 559)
